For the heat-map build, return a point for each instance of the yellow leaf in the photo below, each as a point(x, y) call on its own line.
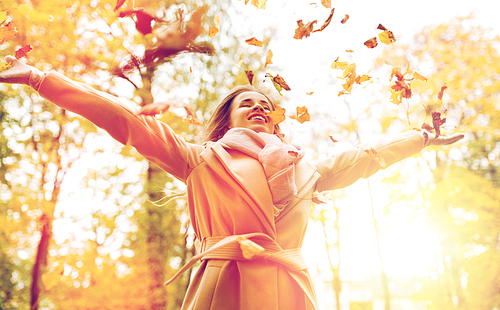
point(418, 76)
point(396, 96)
point(249, 248)
point(340, 65)
point(387, 37)
point(3, 17)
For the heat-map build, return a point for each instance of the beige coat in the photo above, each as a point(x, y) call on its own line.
point(228, 195)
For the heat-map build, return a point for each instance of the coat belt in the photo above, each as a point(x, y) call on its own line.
point(228, 248)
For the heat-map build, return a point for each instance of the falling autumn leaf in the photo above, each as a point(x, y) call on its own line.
point(327, 22)
point(281, 82)
point(276, 85)
point(254, 41)
point(260, 4)
point(249, 248)
point(212, 31)
point(440, 95)
point(119, 4)
point(269, 58)
point(310, 93)
point(23, 51)
point(278, 115)
point(387, 37)
point(7, 32)
point(349, 51)
point(418, 76)
point(377, 157)
point(437, 121)
point(238, 65)
point(371, 43)
point(345, 19)
point(326, 3)
point(249, 76)
point(362, 78)
point(302, 115)
point(303, 30)
point(380, 27)
point(427, 127)
point(333, 140)
point(339, 64)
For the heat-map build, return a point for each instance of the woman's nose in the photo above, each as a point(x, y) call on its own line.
point(258, 107)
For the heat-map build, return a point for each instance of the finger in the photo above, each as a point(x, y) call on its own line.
point(10, 59)
point(449, 140)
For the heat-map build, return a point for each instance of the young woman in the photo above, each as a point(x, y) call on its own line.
point(249, 194)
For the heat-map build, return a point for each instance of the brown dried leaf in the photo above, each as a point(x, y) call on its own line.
point(250, 76)
point(440, 95)
point(327, 22)
point(254, 41)
point(437, 121)
point(345, 19)
point(371, 43)
point(281, 82)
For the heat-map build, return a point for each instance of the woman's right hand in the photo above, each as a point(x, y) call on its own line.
point(20, 73)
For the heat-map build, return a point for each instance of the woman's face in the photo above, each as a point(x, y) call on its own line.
point(248, 110)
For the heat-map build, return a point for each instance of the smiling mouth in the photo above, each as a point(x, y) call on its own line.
point(258, 117)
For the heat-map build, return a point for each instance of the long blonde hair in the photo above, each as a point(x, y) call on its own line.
point(219, 121)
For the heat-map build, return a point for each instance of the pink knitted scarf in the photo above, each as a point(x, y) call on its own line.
point(277, 158)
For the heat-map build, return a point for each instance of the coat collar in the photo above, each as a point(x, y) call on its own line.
point(249, 175)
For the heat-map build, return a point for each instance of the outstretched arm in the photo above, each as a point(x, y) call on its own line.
point(153, 139)
point(347, 167)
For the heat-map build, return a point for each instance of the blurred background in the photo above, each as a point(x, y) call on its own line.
point(86, 223)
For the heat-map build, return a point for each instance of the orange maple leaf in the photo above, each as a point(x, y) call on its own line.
point(278, 115)
point(362, 78)
point(23, 51)
point(254, 41)
point(304, 30)
point(371, 43)
point(302, 115)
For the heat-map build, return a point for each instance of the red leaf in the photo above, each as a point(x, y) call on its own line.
point(440, 95)
point(119, 4)
point(437, 121)
point(23, 51)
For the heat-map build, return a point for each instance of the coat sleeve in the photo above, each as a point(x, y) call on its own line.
point(347, 167)
point(155, 140)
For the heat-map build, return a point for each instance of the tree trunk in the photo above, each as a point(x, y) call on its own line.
point(41, 259)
